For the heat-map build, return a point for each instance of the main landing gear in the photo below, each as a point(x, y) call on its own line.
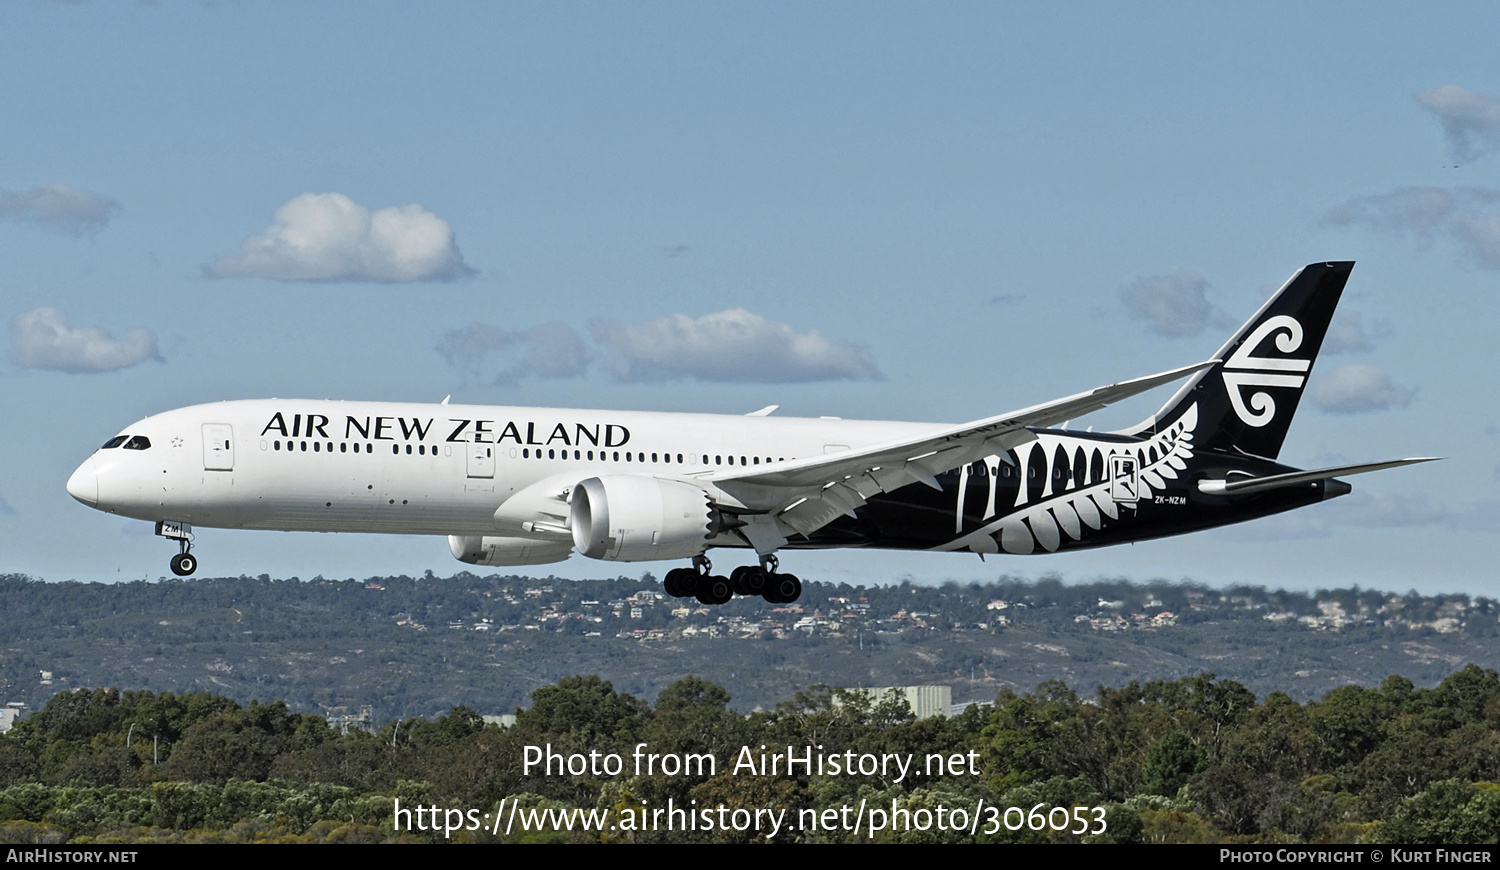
point(184, 563)
point(747, 580)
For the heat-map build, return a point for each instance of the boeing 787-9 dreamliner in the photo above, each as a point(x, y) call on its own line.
point(528, 486)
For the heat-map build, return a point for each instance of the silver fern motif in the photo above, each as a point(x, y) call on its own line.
point(1042, 519)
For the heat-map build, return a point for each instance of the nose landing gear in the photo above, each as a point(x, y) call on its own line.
point(184, 563)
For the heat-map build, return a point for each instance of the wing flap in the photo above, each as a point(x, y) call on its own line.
point(808, 515)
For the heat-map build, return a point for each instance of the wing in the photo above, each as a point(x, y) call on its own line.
point(804, 495)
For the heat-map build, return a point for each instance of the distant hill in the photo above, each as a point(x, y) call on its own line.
point(419, 646)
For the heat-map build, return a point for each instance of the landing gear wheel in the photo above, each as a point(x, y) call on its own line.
point(184, 564)
point(713, 589)
point(783, 589)
point(681, 582)
point(739, 579)
point(756, 581)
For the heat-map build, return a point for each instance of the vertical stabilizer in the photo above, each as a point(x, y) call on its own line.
point(1246, 401)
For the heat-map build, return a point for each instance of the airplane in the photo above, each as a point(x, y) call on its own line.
point(527, 486)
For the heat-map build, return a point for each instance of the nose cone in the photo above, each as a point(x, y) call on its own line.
point(84, 484)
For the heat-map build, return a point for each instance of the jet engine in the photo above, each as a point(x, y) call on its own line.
point(635, 518)
point(499, 551)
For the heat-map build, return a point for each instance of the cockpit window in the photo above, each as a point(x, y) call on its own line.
point(114, 442)
point(138, 442)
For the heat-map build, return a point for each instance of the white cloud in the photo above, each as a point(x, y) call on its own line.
point(1346, 334)
point(1479, 234)
point(1470, 121)
point(1377, 509)
point(551, 350)
point(1464, 215)
point(1383, 510)
point(1172, 305)
point(1352, 389)
point(1482, 516)
point(554, 350)
point(329, 237)
point(1305, 524)
point(734, 346)
point(59, 206)
point(1424, 211)
point(42, 339)
point(1363, 508)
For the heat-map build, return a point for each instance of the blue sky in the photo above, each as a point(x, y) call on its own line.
point(908, 212)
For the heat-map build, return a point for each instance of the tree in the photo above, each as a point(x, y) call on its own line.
point(1170, 763)
point(1449, 812)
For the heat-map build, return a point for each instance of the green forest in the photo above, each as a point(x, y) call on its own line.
point(1192, 760)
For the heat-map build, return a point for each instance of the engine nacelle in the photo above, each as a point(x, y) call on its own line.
point(500, 551)
point(635, 518)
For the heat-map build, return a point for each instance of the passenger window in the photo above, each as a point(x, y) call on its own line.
point(138, 442)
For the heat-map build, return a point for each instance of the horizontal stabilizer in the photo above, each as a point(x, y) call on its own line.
point(1249, 485)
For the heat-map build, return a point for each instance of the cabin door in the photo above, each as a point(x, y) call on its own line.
point(481, 460)
point(218, 447)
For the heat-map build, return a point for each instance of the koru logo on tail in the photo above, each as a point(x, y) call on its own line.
point(1245, 369)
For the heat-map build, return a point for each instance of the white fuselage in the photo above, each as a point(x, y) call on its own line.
point(331, 466)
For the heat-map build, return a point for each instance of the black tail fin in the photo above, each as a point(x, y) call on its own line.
point(1246, 402)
